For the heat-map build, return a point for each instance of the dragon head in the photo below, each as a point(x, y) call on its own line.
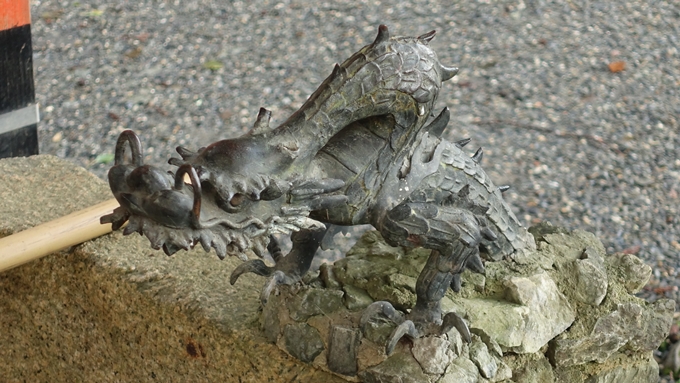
point(218, 197)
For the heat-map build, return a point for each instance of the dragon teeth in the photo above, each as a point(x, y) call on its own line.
point(154, 237)
point(129, 229)
point(220, 247)
point(260, 245)
point(232, 249)
point(170, 248)
point(183, 243)
point(206, 239)
point(240, 242)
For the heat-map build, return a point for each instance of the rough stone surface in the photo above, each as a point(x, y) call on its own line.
point(455, 342)
point(474, 280)
point(432, 353)
point(503, 373)
point(398, 368)
point(313, 301)
point(545, 311)
point(630, 270)
point(271, 324)
point(591, 278)
point(642, 330)
point(302, 341)
point(327, 277)
point(114, 310)
point(461, 370)
point(618, 369)
point(644, 371)
point(494, 347)
point(378, 330)
point(356, 298)
point(479, 354)
point(500, 320)
point(521, 315)
point(652, 326)
point(370, 354)
point(534, 370)
point(384, 272)
point(343, 350)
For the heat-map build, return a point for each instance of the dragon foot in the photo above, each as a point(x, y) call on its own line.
point(289, 269)
point(274, 277)
point(415, 325)
point(255, 266)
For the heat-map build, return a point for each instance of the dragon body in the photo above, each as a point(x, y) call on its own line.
point(363, 149)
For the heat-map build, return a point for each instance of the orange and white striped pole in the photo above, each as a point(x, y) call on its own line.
point(18, 110)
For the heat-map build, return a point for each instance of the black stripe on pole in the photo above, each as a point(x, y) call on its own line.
point(17, 90)
point(22, 142)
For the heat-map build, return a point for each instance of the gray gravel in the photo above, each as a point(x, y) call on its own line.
point(582, 146)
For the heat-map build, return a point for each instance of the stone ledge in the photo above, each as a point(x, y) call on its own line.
point(113, 309)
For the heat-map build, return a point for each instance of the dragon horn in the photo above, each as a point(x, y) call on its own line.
point(196, 185)
point(262, 121)
point(464, 192)
point(477, 157)
point(427, 37)
point(338, 71)
point(135, 147)
point(463, 142)
point(383, 35)
point(448, 73)
point(438, 125)
point(184, 152)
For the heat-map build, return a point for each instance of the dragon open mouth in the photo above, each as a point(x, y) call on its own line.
point(176, 215)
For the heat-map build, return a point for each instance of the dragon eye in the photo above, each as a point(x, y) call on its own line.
point(237, 199)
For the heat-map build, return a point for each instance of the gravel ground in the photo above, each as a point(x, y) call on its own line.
point(583, 143)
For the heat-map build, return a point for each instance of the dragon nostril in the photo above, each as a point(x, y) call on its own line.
point(237, 199)
point(147, 180)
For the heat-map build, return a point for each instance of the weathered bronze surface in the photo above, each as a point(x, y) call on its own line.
point(363, 149)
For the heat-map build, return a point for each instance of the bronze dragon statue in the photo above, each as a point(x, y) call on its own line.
point(365, 148)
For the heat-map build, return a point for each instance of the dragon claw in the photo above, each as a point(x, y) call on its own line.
point(407, 327)
point(275, 279)
point(455, 283)
point(378, 308)
point(415, 331)
point(416, 327)
point(453, 320)
point(117, 218)
point(170, 249)
point(475, 264)
point(254, 266)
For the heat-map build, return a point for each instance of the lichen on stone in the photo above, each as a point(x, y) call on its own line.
point(563, 313)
